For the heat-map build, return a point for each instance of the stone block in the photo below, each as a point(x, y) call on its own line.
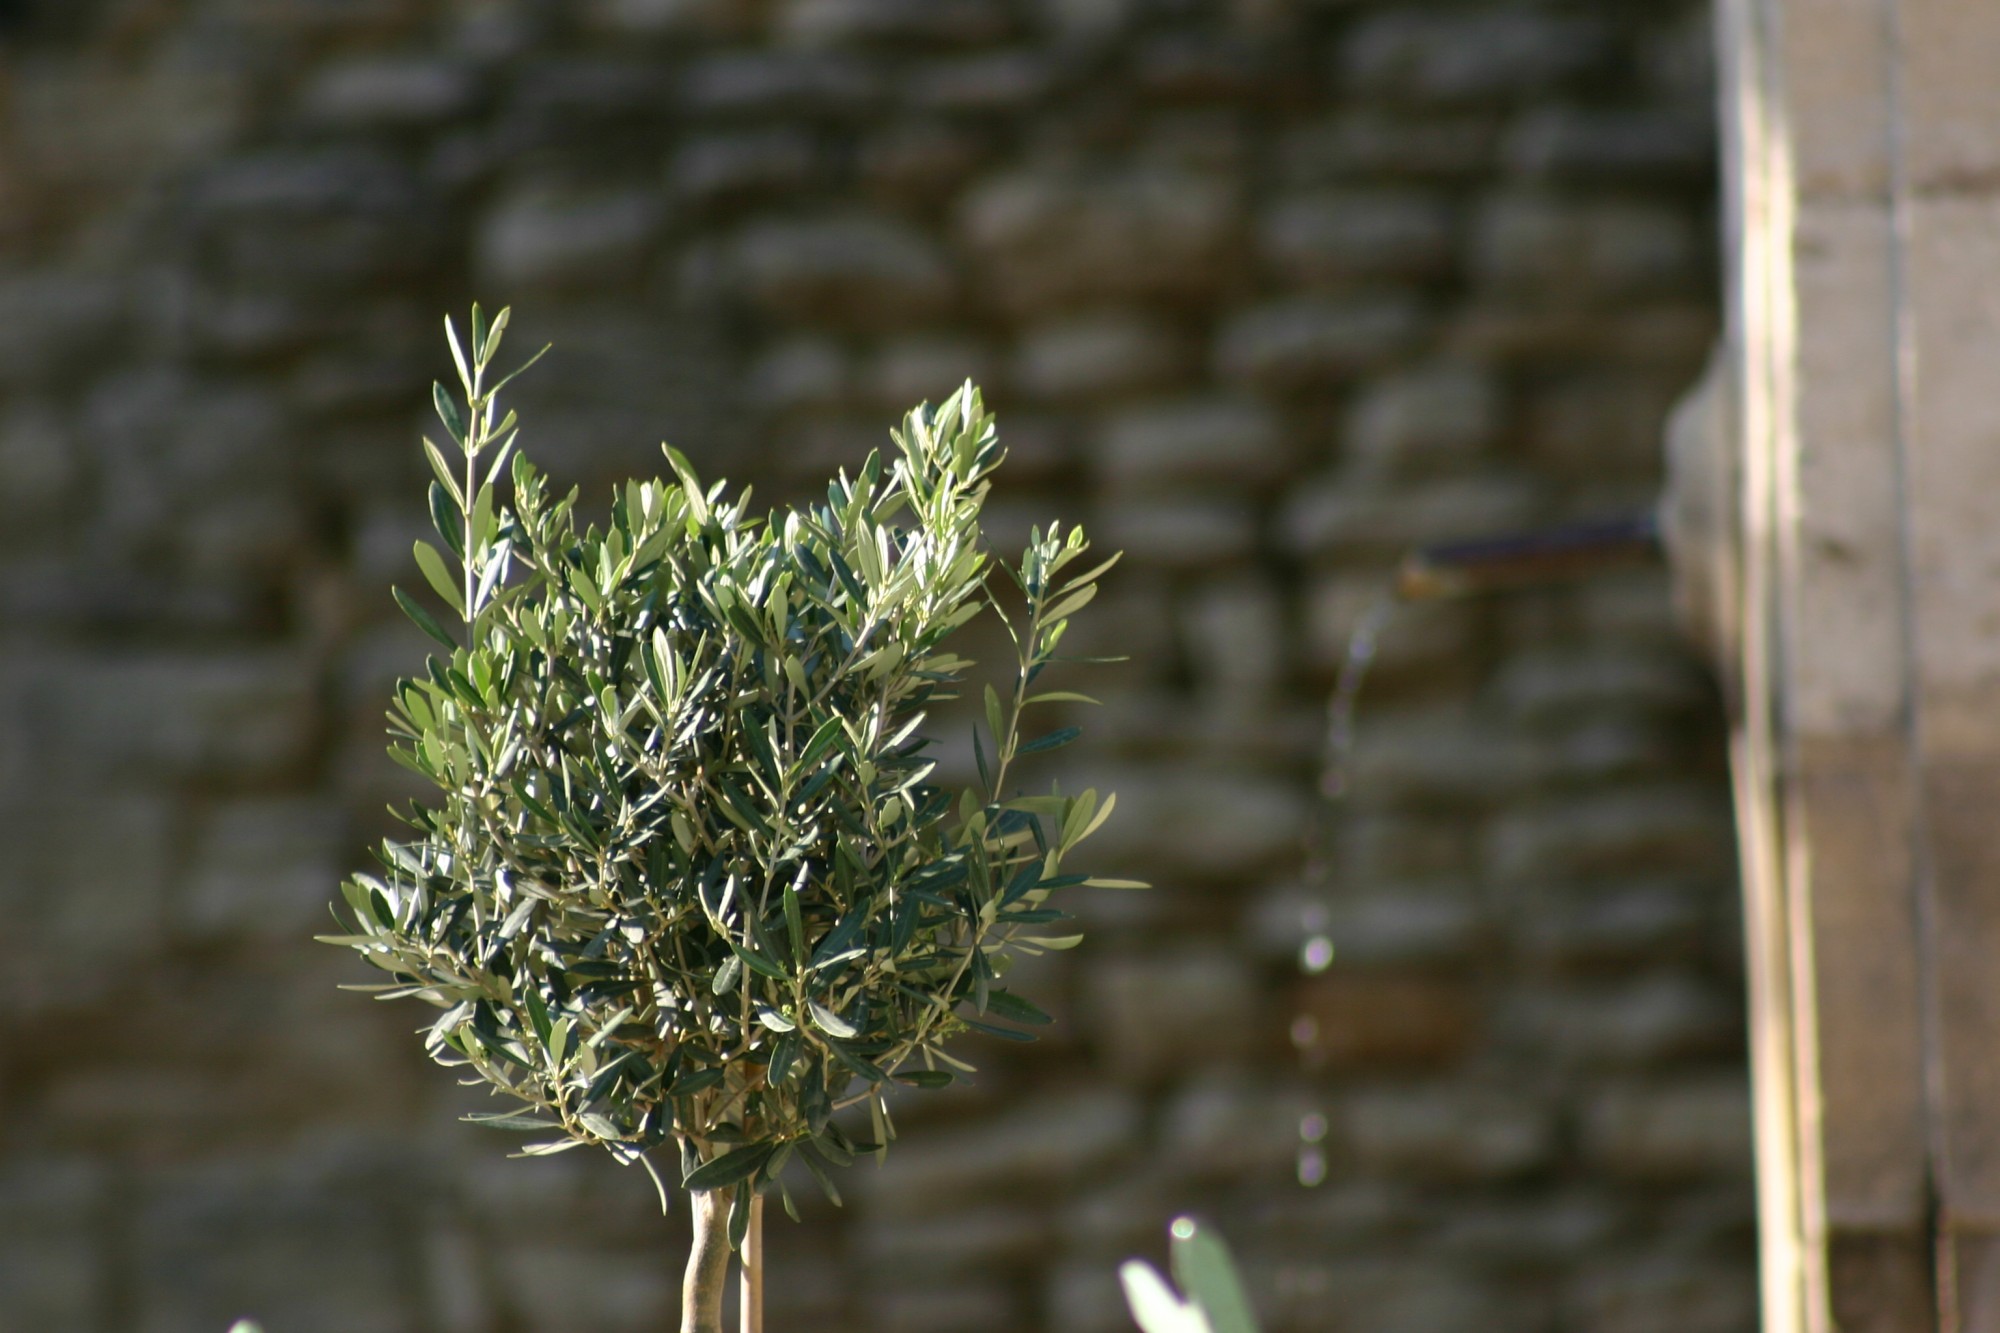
point(1552, 686)
point(666, 18)
point(1424, 421)
point(1370, 143)
point(1097, 357)
point(1401, 924)
point(852, 269)
point(84, 893)
point(1331, 238)
point(1439, 756)
point(1045, 240)
point(95, 124)
point(1221, 440)
point(1210, 823)
point(38, 465)
point(919, 163)
point(1236, 638)
point(1422, 55)
point(800, 373)
point(574, 1286)
point(1164, 1014)
point(52, 323)
point(1606, 424)
point(926, 22)
point(1571, 249)
point(265, 867)
point(54, 1267)
point(1061, 1136)
point(991, 83)
point(1444, 1134)
point(1667, 829)
point(387, 93)
point(771, 83)
point(1390, 1293)
point(913, 370)
point(1666, 1295)
point(238, 717)
point(1306, 343)
point(1650, 144)
point(1403, 846)
point(1234, 1130)
point(1179, 532)
point(1384, 1018)
point(1333, 514)
point(1621, 923)
point(1424, 648)
point(967, 1238)
point(311, 1244)
point(541, 237)
point(969, 1305)
point(1692, 1127)
point(1528, 1236)
point(1086, 1298)
point(1649, 1021)
point(743, 166)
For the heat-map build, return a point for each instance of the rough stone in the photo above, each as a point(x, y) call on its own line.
point(1106, 356)
point(1262, 328)
point(1655, 831)
point(1013, 1150)
point(541, 237)
point(744, 166)
point(1158, 1015)
point(779, 83)
point(1573, 141)
point(1688, 1127)
point(262, 867)
point(1331, 514)
point(1304, 343)
point(1371, 144)
point(1649, 1021)
point(1047, 241)
point(837, 22)
point(387, 93)
point(1564, 250)
point(1180, 532)
point(1383, 1019)
point(1333, 238)
point(855, 269)
point(1424, 421)
point(1455, 1135)
point(1430, 56)
point(1227, 441)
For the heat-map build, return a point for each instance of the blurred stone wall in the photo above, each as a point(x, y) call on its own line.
point(1264, 290)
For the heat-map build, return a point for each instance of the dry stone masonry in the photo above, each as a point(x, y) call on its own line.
point(1265, 290)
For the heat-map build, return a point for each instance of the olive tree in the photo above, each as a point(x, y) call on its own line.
point(688, 888)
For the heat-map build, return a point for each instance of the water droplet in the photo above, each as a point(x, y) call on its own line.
point(1316, 955)
point(1312, 1127)
point(1312, 1167)
point(1305, 1031)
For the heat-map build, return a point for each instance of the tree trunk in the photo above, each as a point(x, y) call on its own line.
point(751, 1265)
point(708, 1263)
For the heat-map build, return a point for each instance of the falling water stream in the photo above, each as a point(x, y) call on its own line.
point(1454, 570)
point(1316, 948)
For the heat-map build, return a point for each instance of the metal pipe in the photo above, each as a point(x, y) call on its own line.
point(1517, 560)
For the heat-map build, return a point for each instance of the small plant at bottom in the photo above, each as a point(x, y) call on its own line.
point(688, 888)
point(1211, 1298)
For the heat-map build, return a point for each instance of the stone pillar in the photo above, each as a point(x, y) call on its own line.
point(1863, 339)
